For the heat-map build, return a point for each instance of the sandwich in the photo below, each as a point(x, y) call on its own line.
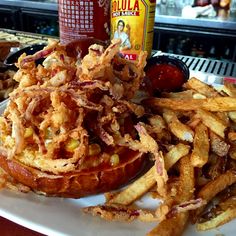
point(70, 128)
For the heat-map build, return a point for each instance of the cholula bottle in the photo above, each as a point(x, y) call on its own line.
point(133, 21)
point(83, 18)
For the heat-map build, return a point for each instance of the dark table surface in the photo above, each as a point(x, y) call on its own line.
point(8, 228)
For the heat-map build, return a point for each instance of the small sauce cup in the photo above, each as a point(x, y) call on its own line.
point(12, 58)
point(165, 74)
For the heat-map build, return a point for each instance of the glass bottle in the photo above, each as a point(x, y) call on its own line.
point(82, 19)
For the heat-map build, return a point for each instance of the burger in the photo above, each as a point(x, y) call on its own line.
point(70, 128)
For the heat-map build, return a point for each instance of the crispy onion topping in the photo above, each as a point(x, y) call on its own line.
point(63, 108)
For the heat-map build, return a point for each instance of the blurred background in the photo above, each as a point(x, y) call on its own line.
point(209, 32)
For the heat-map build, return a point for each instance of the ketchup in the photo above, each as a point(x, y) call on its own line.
point(165, 77)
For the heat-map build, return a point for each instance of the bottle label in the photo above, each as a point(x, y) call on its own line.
point(79, 19)
point(132, 21)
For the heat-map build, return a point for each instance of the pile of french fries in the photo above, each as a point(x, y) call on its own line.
point(197, 137)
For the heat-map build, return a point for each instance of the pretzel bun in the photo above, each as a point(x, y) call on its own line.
point(76, 184)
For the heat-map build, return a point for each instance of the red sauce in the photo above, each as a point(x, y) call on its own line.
point(165, 77)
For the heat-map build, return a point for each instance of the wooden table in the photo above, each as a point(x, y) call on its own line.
point(8, 228)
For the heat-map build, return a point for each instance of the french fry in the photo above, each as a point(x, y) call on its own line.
point(232, 137)
point(229, 89)
point(173, 103)
point(232, 116)
point(232, 152)
point(212, 122)
point(178, 151)
point(135, 190)
point(215, 186)
point(147, 181)
point(211, 189)
point(224, 117)
point(221, 219)
point(205, 117)
point(194, 122)
point(159, 127)
point(201, 87)
point(219, 104)
point(200, 153)
point(172, 226)
point(183, 95)
point(216, 166)
point(218, 145)
point(187, 181)
point(199, 96)
point(180, 130)
point(175, 153)
point(176, 224)
point(227, 213)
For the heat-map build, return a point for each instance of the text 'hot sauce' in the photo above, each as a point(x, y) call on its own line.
point(132, 21)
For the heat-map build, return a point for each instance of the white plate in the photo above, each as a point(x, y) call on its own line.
point(60, 217)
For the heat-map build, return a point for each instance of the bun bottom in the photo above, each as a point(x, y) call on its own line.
point(75, 184)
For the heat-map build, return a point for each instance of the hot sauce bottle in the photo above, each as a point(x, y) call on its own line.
point(82, 19)
point(133, 21)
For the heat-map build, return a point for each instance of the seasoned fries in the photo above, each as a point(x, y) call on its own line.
point(232, 136)
point(212, 122)
point(135, 190)
point(201, 87)
point(175, 153)
point(180, 130)
point(147, 181)
point(219, 104)
point(173, 226)
point(229, 89)
point(226, 212)
point(196, 132)
point(211, 189)
point(186, 180)
point(201, 146)
point(232, 115)
point(185, 193)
